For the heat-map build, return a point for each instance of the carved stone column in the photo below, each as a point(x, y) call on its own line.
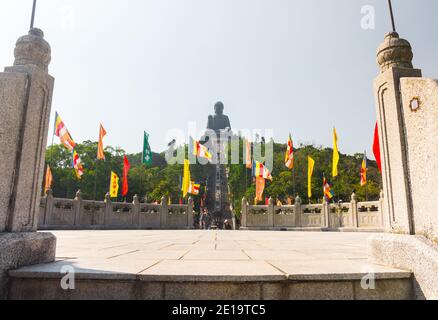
point(394, 57)
point(26, 91)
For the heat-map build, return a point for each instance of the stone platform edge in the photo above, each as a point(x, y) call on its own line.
point(23, 249)
point(413, 253)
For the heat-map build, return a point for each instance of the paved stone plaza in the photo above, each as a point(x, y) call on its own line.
point(211, 264)
point(213, 253)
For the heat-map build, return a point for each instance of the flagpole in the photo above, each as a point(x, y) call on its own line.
point(95, 179)
point(141, 180)
point(32, 19)
point(366, 191)
point(293, 182)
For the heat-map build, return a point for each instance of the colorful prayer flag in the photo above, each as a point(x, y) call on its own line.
point(248, 154)
point(199, 150)
point(289, 159)
point(100, 149)
point(126, 167)
point(328, 194)
point(194, 188)
point(363, 171)
point(114, 185)
point(259, 170)
point(376, 147)
point(186, 179)
point(335, 154)
point(147, 152)
point(77, 165)
point(49, 180)
point(311, 165)
point(62, 133)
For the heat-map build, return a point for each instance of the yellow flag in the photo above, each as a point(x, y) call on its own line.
point(335, 154)
point(309, 176)
point(114, 185)
point(187, 179)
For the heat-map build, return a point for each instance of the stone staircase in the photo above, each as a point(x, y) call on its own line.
point(196, 264)
point(44, 283)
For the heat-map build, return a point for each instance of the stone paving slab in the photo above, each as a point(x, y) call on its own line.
point(167, 255)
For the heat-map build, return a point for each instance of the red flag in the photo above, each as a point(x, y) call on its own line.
point(126, 167)
point(376, 147)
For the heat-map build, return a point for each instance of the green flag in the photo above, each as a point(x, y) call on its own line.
point(147, 153)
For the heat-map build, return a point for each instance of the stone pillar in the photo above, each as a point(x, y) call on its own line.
point(271, 213)
point(326, 214)
point(25, 102)
point(136, 211)
point(381, 215)
point(244, 213)
point(26, 91)
point(108, 209)
point(394, 57)
point(353, 211)
point(163, 213)
point(49, 208)
point(78, 208)
point(190, 207)
point(298, 212)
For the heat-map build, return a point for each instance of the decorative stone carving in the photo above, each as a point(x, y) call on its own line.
point(394, 52)
point(33, 49)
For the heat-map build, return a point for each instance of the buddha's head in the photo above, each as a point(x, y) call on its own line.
point(219, 108)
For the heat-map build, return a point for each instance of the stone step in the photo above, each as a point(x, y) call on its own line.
point(43, 282)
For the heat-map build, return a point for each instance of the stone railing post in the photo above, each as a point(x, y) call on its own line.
point(326, 213)
point(353, 211)
point(49, 208)
point(108, 209)
point(381, 221)
point(244, 212)
point(78, 207)
point(145, 199)
point(41, 215)
point(136, 211)
point(298, 212)
point(163, 212)
point(190, 208)
point(271, 212)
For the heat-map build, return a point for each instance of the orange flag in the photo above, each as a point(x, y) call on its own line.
point(248, 155)
point(49, 180)
point(100, 151)
point(260, 188)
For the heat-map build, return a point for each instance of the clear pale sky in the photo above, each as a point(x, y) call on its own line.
point(155, 65)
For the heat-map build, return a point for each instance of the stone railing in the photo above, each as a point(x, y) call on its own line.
point(352, 216)
point(77, 214)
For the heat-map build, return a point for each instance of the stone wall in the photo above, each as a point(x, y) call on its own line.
point(76, 214)
point(354, 216)
point(422, 151)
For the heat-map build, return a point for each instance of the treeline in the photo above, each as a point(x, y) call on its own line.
point(160, 179)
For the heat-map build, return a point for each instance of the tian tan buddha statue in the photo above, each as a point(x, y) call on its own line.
point(219, 121)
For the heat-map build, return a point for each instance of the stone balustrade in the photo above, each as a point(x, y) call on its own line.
point(76, 214)
point(350, 216)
